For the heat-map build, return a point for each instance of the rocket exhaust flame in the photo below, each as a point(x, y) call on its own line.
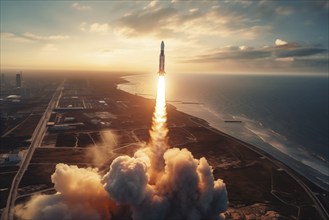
point(159, 129)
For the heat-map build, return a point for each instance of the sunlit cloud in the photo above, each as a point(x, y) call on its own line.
point(285, 59)
point(80, 7)
point(30, 37)
point(95, 27)
point(245, 47)
point(145, 22)
point(280, 42)
point(164, 22)
point(7, 36)
point(193, 10)
point(41, 38)
point(152, 4)
point(253, 32)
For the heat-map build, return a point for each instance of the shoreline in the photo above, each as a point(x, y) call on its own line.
point(311, 188)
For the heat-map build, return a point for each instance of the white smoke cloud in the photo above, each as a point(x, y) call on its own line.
point(184, 190)
point(80, 195)
point(101, 152)
point(126, 181)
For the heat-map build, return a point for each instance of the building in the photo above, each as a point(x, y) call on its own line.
point(2, 79)
point(19, 80)
point(10, 158)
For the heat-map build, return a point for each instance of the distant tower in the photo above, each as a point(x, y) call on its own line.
point(2, 79)
point(18, 80)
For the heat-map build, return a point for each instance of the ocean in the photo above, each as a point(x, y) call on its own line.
point(286, 116)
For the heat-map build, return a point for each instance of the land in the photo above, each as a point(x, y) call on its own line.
point(90, 114)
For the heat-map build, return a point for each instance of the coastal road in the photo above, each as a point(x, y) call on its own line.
point(36, 140)
point(319, 206)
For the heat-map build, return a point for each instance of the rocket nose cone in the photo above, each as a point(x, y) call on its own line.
point(162, 45)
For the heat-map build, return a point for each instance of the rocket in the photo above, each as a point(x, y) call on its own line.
point(162, 61)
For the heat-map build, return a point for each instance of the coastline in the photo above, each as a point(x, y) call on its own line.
point(309, 187)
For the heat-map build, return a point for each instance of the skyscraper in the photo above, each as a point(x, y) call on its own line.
point(2, 79)
point(18, 80)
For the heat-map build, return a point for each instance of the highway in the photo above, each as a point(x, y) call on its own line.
point(36, 140)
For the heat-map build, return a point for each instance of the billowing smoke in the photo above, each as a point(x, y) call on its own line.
point(80, 195)
point(185, 189)
point(101, 152)
point(156, 183)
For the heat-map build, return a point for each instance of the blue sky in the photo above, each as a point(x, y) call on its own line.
point(200, 36)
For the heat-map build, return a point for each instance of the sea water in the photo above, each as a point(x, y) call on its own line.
point(286, 116)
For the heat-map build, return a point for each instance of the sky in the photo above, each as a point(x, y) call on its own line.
point(230, 36)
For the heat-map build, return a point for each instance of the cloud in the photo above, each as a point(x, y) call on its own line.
point(14, 37)
point(279, 42)
point(169, 21)
point(282, 54)
point(193, 10)
point(95, 27)
point(233, 53)
point(284, 11)
point(152, 4)
point(285, 59)
point(245, 48)
point(36, 37)
point(30, 37)
point(145, 22)
point(80, 7)
point(253, 32)
point(299, 52)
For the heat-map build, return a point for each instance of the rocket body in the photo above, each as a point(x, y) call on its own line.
point(162, 61)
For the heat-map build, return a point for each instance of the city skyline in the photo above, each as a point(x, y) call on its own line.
point(281, 37)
